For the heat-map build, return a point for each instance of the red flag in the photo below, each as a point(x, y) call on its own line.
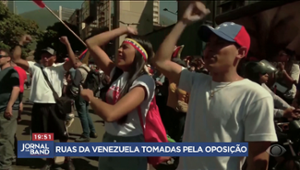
point(177, 51)
point(39, 3)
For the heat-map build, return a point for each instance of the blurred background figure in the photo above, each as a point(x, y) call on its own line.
point(148, 69)
point(287, 75)
point(67, 83)
point(188, 60)
point(198, 65)
point(27, 81)
point(259, 72)
point(176, 108)
point(161, 91)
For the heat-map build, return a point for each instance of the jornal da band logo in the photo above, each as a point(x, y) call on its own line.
point(36, 149)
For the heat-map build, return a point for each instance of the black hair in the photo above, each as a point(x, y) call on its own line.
point(7, 52)
point(238, 45)
point(291, 58)
point(195, 62)
point(68, 73)
point(137, 68)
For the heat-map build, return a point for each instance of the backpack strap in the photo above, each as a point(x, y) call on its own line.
point(85, 69)
point(55, 95)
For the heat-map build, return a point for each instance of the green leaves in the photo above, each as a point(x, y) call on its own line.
point(13, 26)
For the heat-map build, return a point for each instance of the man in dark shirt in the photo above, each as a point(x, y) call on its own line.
point(160, 91)
point(9, 92)
point(22, 78)
point(88, 128)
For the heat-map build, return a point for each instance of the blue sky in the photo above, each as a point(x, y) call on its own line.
point(25, 6)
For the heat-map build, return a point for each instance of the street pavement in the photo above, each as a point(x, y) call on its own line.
point(81, 163)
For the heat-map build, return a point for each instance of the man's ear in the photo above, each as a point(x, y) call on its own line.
point(242, 51)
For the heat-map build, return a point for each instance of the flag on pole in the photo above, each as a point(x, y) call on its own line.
point(177, 51)
point(39, 3)
point(84, 56)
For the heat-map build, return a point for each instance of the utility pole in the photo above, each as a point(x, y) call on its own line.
point(60, 12)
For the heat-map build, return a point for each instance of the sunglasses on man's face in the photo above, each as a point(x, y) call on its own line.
point(1, 56)
point(46, 56)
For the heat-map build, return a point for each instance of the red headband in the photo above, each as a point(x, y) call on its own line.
point(137, 46)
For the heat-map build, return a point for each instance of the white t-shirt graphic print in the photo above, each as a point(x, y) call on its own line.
point(242, 111)
point(132, 126)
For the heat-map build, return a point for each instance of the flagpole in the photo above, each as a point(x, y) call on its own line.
point(65, 25)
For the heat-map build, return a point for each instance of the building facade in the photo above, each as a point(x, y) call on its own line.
point(138, 14)
point(88, 17)
point(65, 13)
point(11, 5)
point(113, 14)
point(193, 44)
point(212, 5)
point(232, 10)
point(74, 18)
point(229, 5)
point(272, 26)
point(4, 2)
point(156, 12)
point(105, 14)
point(95, 14)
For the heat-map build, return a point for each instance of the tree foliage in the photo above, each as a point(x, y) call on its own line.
point(13, 26)
point(51, 36)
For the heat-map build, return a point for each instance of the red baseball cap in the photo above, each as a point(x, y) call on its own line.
point(228, 31)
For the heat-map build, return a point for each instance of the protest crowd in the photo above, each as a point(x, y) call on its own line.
point(222, 96)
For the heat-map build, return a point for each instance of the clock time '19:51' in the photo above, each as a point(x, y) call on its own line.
point(42, 136)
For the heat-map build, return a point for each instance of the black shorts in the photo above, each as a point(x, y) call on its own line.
point(20, 97)
point(45, 119)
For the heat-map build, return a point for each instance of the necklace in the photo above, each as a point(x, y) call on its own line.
point(212, 92)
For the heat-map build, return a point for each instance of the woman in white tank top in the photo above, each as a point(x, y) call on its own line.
point(130, 87)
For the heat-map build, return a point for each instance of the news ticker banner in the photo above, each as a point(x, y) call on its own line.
point(50, 149)
point(43, 146)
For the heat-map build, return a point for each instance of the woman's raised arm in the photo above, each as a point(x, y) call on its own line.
point(100, 57)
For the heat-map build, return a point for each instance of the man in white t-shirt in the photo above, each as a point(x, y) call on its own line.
point(44, 117)
point(223, 107)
